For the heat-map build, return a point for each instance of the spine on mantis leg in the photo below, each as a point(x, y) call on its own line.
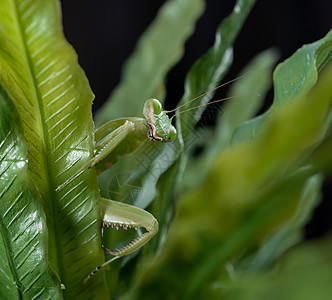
point(120, 215)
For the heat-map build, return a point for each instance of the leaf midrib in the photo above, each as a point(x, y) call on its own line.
point(44, 132)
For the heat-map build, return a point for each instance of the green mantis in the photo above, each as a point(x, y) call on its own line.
point(122, 136)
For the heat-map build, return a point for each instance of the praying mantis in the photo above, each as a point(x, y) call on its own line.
point(123, 136)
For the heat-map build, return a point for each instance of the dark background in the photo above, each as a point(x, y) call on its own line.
point(104, 33)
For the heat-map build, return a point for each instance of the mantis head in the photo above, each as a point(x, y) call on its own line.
point(160, 125)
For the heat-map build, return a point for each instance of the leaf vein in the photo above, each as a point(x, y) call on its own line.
point(68, 166)
point(71, 190)
point(64, 140)
point(58, 86)
point(17, 215)
point(61, 109)
point(60, 121)
point(89, 225)
point(39, 294)
point(26, 244)
point(53, 62)
point(58, 134)
point(42, 48)
point(74, 198)
point(13, 204)
point(32, 283)
point(29, 11)
point(8, 186)
point(78, 206)
point(22, 231)
point(34, 37)
point(53, 75)
point(23, 260)
point(43, 58)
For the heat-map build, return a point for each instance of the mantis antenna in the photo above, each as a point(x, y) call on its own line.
point(216, 101)
point(200, 96)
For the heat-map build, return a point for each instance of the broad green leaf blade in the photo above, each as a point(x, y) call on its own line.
point(39, 70)
point(295, 76)
point(158, 50)
point(248, 194)
point(24, 271)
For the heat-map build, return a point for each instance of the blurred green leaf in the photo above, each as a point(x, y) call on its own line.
point(287, 235)
point(250, 191)
point(39, 71)
point(24, 272)
point(304, 273)
point(253, 88)
point(159, 48)
point(295, 76)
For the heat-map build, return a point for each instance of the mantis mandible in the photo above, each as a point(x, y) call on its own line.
point(122, 136)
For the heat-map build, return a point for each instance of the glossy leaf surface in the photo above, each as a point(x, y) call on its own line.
point(39, 70)
point(24, 272)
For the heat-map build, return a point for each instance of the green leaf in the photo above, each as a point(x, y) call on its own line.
point(24, 272)
point(295, 76)
point(159, 48)
point(39, 71)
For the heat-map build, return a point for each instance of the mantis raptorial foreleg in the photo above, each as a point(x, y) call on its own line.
point(120, 215)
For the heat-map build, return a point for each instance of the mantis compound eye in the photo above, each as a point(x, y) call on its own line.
point(172, 134)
